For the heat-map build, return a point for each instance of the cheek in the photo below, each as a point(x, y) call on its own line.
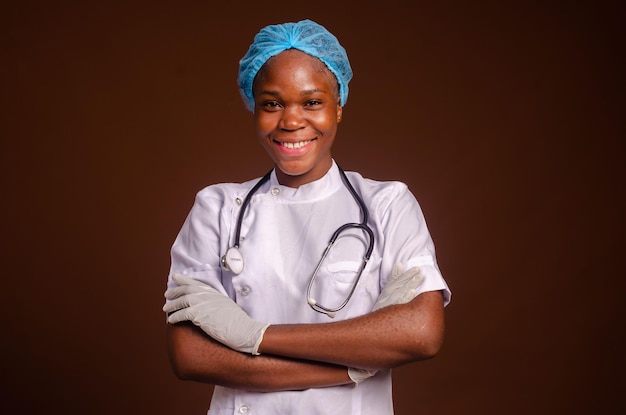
point(264, 125)
point(327, 121)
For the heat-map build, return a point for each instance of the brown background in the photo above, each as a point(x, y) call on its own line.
point(505, 119)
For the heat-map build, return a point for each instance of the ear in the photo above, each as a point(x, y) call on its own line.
point(339, 113)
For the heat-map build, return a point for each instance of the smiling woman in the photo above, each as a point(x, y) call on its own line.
point(387, 303)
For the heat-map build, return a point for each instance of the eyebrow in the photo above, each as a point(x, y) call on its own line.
point(303, 93)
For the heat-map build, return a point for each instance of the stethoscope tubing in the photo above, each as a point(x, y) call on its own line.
point(245, 204)
point(234, 253)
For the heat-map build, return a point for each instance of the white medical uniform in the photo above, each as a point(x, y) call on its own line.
point(283, 234)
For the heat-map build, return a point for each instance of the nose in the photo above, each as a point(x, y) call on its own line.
point(292, 118)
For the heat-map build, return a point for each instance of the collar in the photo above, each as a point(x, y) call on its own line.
point(318, 189)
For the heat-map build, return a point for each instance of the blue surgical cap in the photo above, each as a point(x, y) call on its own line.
point(306, 36)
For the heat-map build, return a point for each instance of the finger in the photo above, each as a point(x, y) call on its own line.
point(401, 280)
point(419, 279)
point(410, 274)
point(410, 288)
point(177, 304)
point(410, 281)
point(178, 316)
point(169, 308)
point(175, 292)
point(181, 279)
point(397, 270)
point(416, 278)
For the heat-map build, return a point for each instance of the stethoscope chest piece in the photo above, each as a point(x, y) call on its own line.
point(233, 260)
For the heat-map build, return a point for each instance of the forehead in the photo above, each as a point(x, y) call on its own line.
point(295, 56)
point(293, 60)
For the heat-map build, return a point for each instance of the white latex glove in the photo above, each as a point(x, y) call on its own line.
point(401, 287)
point(359, 375)
point(215, 313)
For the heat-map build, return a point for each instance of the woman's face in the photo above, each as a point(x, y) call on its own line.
point(296, 115)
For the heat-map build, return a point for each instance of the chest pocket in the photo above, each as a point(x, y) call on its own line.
point(343, 272)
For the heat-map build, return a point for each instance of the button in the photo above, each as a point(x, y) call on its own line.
point(243, 409)
point(238, 201)
point(275, 191)
point(245, 290)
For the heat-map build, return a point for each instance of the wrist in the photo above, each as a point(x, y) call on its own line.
point(359, 375)
point(256, 349)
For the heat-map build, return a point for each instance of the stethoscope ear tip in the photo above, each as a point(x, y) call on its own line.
point(311, 301)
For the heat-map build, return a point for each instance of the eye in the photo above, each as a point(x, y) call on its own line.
point(270, 105)
point(313, 103)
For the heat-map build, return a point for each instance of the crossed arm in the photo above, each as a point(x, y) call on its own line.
point(313, 355)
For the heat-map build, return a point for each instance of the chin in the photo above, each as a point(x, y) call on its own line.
point(302, 171)
point(293, 169)
point(294, 174)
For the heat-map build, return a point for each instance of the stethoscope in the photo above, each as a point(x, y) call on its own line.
point(233, 260)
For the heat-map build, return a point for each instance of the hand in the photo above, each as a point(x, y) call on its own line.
point(215, 313)
point(401, 287)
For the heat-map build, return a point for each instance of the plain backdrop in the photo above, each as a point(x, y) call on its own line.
point(505, 119)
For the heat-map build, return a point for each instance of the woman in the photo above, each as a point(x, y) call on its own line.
point(250, 294)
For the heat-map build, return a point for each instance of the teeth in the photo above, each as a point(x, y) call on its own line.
point(297, 145)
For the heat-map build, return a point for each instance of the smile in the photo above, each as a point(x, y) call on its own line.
point(295, 146)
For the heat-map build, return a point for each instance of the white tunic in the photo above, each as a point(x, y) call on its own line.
point(283, 234)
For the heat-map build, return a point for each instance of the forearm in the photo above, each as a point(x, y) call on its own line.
point(195, 356)
point(383, 339)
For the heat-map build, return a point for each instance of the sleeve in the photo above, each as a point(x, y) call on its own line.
point(408, 241)
point(196, 249)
